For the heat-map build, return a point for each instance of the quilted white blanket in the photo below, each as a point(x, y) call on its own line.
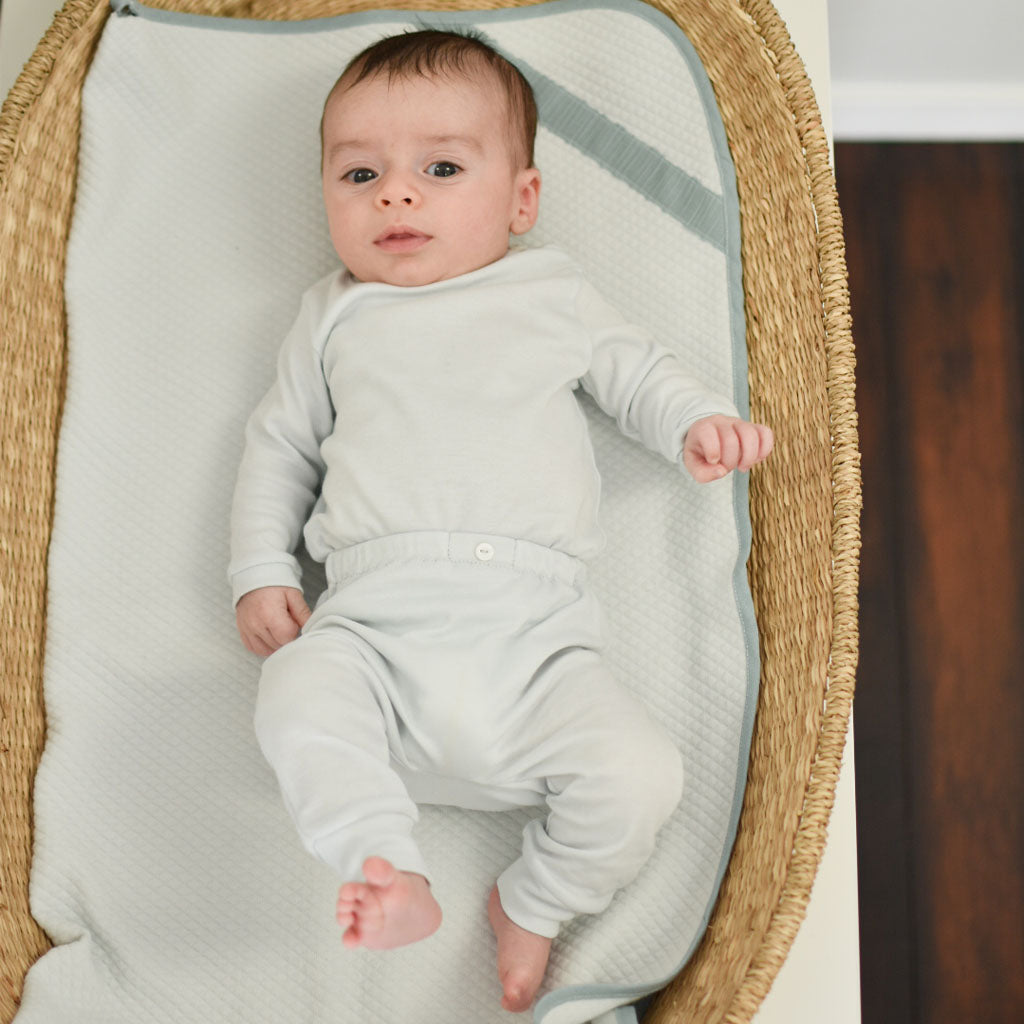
point(166, 870)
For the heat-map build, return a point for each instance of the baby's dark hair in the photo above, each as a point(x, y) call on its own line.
point(431, 52)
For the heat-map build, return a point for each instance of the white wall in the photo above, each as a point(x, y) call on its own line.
point(935, 69)
point(22, 25)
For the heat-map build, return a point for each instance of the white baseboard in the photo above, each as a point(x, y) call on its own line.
point(920, 111)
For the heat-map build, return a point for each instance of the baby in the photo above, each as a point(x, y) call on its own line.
point(424, 434)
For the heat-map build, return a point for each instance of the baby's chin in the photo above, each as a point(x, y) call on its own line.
point(410, 272)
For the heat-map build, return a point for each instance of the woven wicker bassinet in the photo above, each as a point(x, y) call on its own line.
point(805, 500)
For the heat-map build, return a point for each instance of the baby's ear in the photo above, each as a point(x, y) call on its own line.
point(527, 201)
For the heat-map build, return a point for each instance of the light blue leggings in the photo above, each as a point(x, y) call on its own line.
point(464, 669)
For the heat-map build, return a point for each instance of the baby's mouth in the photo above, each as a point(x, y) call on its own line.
point(401, 239)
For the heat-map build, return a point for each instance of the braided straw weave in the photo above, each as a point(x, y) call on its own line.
point(805, 500)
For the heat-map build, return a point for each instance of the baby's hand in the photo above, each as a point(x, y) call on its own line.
point(716, 445)
point(269, 617)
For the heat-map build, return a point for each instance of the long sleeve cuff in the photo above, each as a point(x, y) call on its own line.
point(268, 574)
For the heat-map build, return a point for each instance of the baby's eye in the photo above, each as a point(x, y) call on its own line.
point(443, 169)
point(360, 176)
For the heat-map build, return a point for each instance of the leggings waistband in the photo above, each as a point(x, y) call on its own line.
point(476, 549)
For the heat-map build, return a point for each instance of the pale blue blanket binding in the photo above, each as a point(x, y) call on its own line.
point(713, 218)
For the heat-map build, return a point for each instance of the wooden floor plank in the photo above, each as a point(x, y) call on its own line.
point(937, 270)
point(963, 539)
point(882, 811)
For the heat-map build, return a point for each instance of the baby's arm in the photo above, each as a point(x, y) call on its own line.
point(278, 480)
point(269, 617)
point(716, 445)
point(643, 385)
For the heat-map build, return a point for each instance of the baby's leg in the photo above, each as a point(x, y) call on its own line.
point(390, 909)
point(322, 724)
point(614, 777)
point(522, 957)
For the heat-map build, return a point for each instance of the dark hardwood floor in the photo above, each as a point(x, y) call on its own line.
point(935, 243)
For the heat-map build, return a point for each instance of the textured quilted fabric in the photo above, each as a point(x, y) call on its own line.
point(166, 870)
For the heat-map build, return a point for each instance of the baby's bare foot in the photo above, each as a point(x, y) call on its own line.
point(522, 957)
point(392, 908)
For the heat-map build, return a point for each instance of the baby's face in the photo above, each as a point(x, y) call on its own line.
point(418, 179)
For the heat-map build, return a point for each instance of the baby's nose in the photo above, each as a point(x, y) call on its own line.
point(395, 190)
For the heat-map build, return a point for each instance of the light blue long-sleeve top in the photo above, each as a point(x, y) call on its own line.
point(448, 406)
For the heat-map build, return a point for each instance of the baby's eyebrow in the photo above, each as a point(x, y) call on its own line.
point(469, 141)
point(460, 140)
point(346, 144)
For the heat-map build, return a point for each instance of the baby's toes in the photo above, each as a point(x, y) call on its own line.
point(352, 936)
point(352, 893)
point(350, 897)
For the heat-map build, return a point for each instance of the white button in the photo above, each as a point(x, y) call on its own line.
point(484, 552)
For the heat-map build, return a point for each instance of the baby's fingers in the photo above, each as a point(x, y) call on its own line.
point(255, 643)
point(280, 630)
point(708, 443)
point(702, 452)
point(731, 442)
point(297, 607)
point(755, 443)
point(717, 445)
